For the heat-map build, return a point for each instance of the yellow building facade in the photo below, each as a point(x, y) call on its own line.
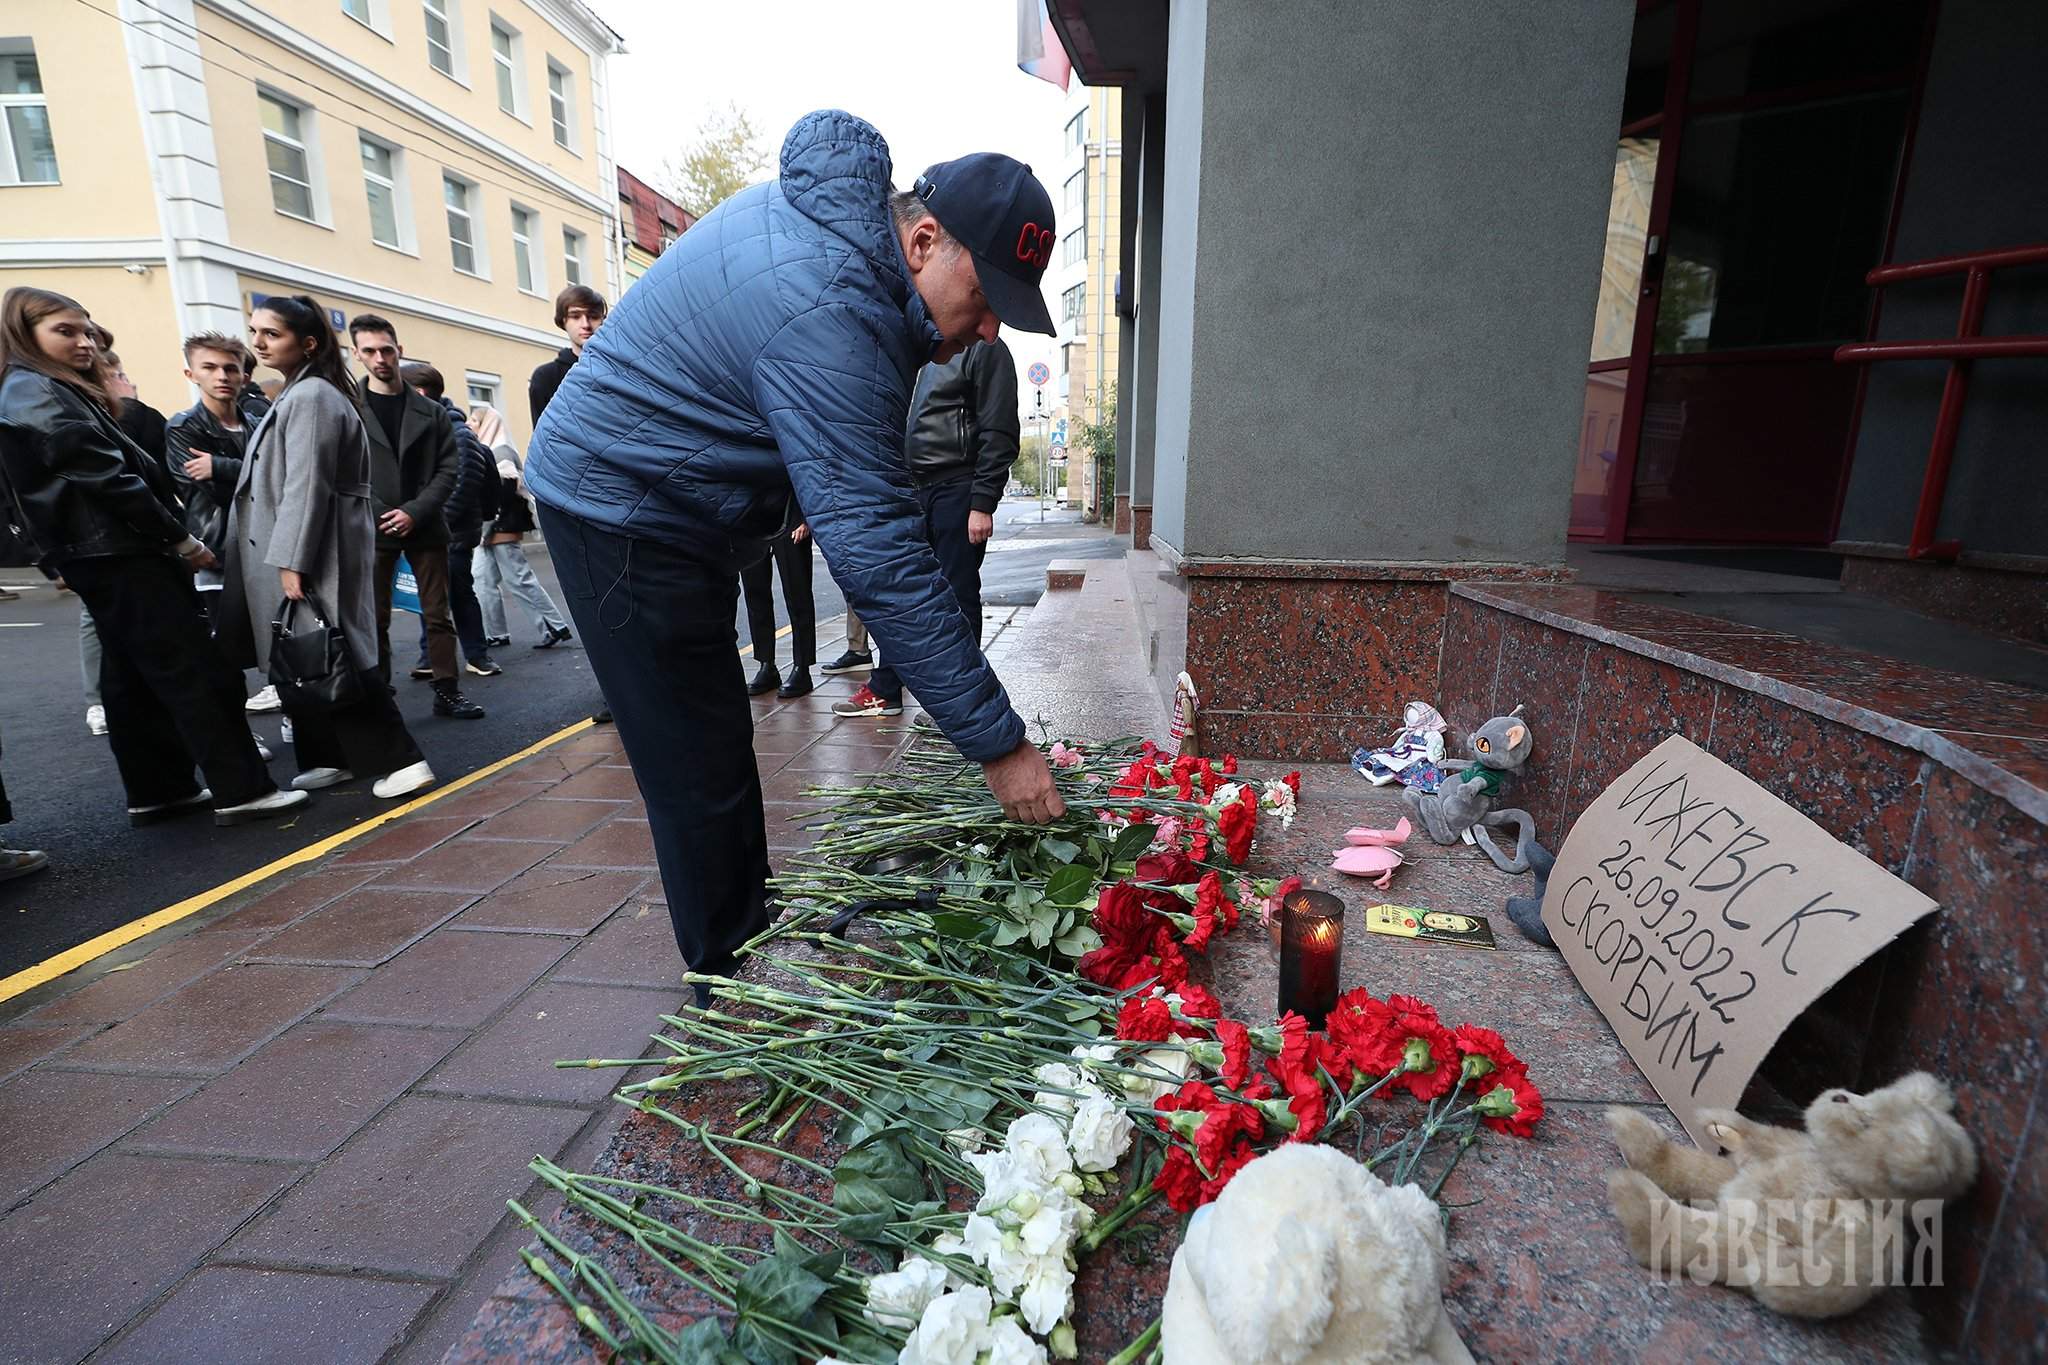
point(445, 164)
point(1087, 199)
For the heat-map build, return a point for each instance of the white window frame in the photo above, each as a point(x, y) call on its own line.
point(574, 244)
point(1074, 246)
point(400, 186)
point(1077, 130)
point(378, 20)
point(536, 282)
point(308, 145)
point(478, 249)
point(10, 174)
point(564, 126)
point(511, 65)
point(492, 386)
point(449, 12)
point(1074, 211)
point(1074, 303)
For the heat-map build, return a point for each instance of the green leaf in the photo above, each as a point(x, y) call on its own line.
point(961, 924)
point(1041, 930)
point(951, 1104)
point(1070, 885)
point(1008, 932)
point(778, 1289)
point(1060, 849)
point(882, 1162)
point(1078, 942)
point(703, 1343)
point(1134, 840)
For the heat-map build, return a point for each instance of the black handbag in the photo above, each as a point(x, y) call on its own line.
point(311, 668)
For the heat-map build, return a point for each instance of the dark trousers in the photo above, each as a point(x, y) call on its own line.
point(6, 811)
point(945, 507)
point(172, 701)
point(367, 737)
point(658, 628)
point(467, 612)
point(792, 564)
point(430, 569)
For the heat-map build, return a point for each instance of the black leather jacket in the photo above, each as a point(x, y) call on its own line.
point(195, 431)
point(963, 421)
point(85, 489)
point(475, 499)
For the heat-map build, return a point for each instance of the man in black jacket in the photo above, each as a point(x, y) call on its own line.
point(960, 444)
point(413, 464)
point(578, 311)
point(474, 502)
point(204, 444)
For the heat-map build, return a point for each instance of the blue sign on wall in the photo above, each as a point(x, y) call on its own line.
point(335, 316)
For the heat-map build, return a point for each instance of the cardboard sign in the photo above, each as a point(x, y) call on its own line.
point(1702, 914)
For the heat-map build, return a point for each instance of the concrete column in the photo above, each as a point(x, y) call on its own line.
point(1149, 214)
point(1381, 246)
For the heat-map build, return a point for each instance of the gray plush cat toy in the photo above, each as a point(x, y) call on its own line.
point(1465, 800)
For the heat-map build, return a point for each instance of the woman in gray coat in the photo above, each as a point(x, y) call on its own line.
point(303, 529)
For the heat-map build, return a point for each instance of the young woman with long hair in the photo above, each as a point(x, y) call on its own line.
point(499, 563)
point(104, 514)
point(302, 529)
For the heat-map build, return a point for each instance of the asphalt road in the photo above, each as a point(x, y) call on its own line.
point(67, 795)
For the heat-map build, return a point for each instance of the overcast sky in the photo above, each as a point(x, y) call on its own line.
point(938, 77)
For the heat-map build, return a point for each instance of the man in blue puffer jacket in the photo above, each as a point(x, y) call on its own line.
point(773, 350)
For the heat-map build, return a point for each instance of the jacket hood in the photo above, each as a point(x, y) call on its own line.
point(836, 172)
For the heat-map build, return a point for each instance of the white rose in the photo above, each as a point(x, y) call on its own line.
point(1052, 1225)
point(1040, 1148)
point(1045, 1300)
point(1100, 1134)
point(951, 1244)
point(964, 1140)
point(1008, 1264)
point(1010, 1344)
point(1164, 1069)
point(1003, 1177)
point(1060, 1078)
point(899, 1298)
point(953, 1331)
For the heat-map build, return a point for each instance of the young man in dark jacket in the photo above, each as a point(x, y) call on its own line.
point(766, 361)
point(204, 444)
point(960, 446)
point(413, 464)
point(474, 502)
point(578, 311)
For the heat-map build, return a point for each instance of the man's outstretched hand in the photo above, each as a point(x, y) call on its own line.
point(1023, 783)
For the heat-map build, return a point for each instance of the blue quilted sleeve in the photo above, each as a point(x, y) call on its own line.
point(836, 402)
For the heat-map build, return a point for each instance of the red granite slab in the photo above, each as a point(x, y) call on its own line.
point(619, 843)
point(489, 797)
point(452, 979)
point(55, 1119)
point(273, 906)
point(363, 928)
point(599, 784)
point(554, 898)
point(260, 1317)
point(214, 1022)
point(515, 1057)
point(94, 1249)
point(403, 839)
point(121, 985)
point(472, 865)
point(23, 1045)
point(546, 819)
point(635, 947)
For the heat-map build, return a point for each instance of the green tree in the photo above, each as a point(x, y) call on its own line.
point(1030, 466)
point(727, 156)
point(1098, 438)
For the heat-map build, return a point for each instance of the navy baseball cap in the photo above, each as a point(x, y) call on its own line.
point(995, 207)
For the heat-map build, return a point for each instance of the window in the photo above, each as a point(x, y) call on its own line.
point(572, 256)
point(484, 389)
point(385, 190)
point(441, 28)
point(463, 247)
point(1074, 303)
point(285, 127)
point(1077, 131)
point(1076, 247)
point(358, 10)
point(27, 154)
point(525, 226)
point(508, 56)
point(1076, 214)
point(561, 104)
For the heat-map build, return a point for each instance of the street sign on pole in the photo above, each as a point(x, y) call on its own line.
point(1039, 374)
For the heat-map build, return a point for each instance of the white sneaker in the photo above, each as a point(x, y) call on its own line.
point(96, 720)
point(266, 700)
point(407, 780)
point(139, 816)
point(262, 749)
point(262, 808)
point(313, 779)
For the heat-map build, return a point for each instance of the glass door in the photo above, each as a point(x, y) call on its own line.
point(1772, 144)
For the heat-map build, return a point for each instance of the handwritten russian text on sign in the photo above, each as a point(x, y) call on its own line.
point(1702, 914)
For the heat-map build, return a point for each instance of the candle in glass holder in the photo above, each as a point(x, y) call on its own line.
point(1311, 947)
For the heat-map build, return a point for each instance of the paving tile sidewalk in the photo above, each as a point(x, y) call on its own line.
point(289, 1132)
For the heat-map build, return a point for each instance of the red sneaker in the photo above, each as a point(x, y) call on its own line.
point(868, 702)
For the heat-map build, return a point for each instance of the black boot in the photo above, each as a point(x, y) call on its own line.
point(799, 684)
point(449, 701)
point(766, 679)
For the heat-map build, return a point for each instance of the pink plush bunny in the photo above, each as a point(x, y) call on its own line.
point(1369, 853)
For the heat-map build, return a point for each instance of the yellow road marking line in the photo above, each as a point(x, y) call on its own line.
point(28, 978)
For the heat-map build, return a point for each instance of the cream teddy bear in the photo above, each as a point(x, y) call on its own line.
point(1308, 1258)
point(1810, 1222)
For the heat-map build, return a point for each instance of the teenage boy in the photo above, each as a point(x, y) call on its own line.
point(578, 311)
point(412, 471)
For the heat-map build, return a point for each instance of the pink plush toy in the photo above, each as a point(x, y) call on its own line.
point(1369, 853)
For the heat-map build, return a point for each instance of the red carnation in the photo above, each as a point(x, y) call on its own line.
point(1429, 1057)
point(1332, 1058)
point(1408, 1004)
point(1168, 868)
point(1198, 839)
point(1197, 1003)
point(1121, 915)
point(1237, 1052)
point(1237, 822)
point(1485, 1053)
point(1210, 780)
point(1179, 1181)
point(1230, 763)
point(1363, 1027)
point(1113, 965)
point(1184, 787)
point(1219, 1132)
point(1527, 1104)
point(1293, 781)
point(1172, 968)
point(1144, 1019)
point(1240, 1156)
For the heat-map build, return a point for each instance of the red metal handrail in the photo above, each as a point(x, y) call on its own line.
point(1967, 347)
